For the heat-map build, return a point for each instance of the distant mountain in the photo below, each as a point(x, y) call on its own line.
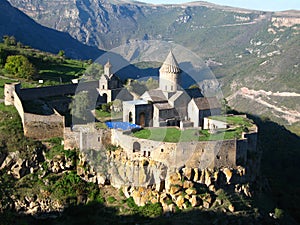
point(16, 23)
point(246, 49)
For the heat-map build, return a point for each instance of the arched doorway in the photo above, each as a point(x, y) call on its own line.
point(104, 98)
point(130, 117)
point(142, 119)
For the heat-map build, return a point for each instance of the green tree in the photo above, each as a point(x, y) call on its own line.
point(94, 71)
point(9, 40)
point(3, 55)
point(19, 66)
point(81, 105)
point(61, 53)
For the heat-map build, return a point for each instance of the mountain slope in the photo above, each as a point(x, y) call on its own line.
point(244, 48)
point(16, 23)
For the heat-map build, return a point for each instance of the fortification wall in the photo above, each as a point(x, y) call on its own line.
point(43, 127)
point(67, 89)
point(18, 105)
point(205, 154)
point(86, 137)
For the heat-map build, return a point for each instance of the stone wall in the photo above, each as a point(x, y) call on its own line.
point(67, 89)
point(43, 127)
point(85, 137)
point(205, 154)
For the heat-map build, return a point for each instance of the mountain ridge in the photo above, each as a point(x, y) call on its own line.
point(31, 33)
point(244, 48)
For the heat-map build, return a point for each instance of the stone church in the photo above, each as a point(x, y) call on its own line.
point(110, 87)
point(170, 104)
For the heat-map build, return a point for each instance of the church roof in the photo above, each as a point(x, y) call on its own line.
point(194, 92)
point(207, 103)
point(170, 65)
point(163, 106)
point(154, 96)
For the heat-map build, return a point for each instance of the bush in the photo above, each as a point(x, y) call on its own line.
point(19, 66)
point(111, 199)
point(279, 213)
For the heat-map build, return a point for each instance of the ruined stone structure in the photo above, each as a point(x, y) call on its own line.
point(42, 126)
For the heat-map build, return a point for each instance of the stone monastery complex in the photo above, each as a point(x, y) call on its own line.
point(167, 106)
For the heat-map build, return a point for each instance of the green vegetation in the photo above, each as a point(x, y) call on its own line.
point(139, 87)
point(52, 69)
point(20, 67)
point(3, 81)
point(177, 135)
point(81, 105)
point(149, 210)
point(11, 133)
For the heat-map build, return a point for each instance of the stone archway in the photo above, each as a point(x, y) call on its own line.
point(104, 98)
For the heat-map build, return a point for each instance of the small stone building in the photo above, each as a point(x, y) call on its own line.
point(110, 86)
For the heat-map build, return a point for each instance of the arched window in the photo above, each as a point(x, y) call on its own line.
point(136, 147)
point(130, 117)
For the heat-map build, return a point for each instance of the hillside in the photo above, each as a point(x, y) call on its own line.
point(15, 23)
point(245, 49)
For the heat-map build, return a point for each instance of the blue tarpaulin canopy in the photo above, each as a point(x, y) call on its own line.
point(121, 125)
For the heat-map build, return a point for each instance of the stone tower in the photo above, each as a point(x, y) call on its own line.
point(169, 74)
point(107, 68)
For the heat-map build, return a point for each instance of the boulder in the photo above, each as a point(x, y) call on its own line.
point(231, 208)
point(188, 173)
point(206, 205)
point(228, 174)
point(191, 191)
point(174, 189)
point(196, 175)
point(180, 201)
point(19, 169)
point(188, 184)
point(195, 201)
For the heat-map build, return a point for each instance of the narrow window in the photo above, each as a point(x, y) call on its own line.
point(162, 150)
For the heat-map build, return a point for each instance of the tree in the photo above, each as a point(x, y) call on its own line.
point(81, 105)
point(94, 71)
point(9, 40)
point(61, 53)
point(19, 66)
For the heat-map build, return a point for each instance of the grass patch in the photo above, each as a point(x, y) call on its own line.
point(176, 135)
point(167, 134)
point(234, 120)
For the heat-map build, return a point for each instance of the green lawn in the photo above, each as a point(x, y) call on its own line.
point(176, 135)
point(168, 134)
point(234, 120)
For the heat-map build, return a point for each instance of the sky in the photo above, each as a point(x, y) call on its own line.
point(266, 5)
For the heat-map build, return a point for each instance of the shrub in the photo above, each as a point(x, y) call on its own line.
point(111, 199)
point(19, 66)
point(279, 213)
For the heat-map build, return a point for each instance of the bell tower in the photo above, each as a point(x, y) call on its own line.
point(169, 74)
point(107, 68)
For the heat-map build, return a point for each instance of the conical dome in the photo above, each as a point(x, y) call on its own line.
point(170, 65)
